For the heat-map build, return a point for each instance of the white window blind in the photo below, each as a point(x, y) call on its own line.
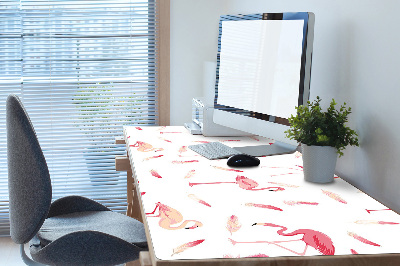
point(83, 69)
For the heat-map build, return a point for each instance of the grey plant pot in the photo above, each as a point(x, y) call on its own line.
point(319, 163)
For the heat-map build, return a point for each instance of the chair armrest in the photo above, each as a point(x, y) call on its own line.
point(72, 204)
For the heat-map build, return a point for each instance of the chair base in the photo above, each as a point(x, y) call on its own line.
point(26, 259)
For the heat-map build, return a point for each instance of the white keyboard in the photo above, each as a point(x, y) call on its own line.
point(214, 150)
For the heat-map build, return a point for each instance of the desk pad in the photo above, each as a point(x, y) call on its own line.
point(201, 209)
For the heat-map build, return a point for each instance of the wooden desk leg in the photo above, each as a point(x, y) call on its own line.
point(133, 199)
point(122, 164)
point(144, 260)
point(133, 263)
point(129, 192)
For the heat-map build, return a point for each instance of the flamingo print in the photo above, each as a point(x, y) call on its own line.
point(227, 169)
point(152, 157)
point(374, 222)
point(166, 140)
point(353, 251)
point(292, 202)
point(334, 196)
point(194, 197)
point(362, 239)
point(181, 150)
point(233, 224)
point(244, 183)
point(164, 132)
point(319, 241)
point(283, 184)
point(145, 147)
point(183, 162)
point(259, 255)
point(169, 216)
point(155, 173)
point(264, 206)
point(186, 246)
point(190, 174)
point(369, 211)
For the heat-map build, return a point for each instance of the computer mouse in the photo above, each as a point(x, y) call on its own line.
point(243, 160)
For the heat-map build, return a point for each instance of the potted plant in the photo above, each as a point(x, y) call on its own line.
point(323, 135)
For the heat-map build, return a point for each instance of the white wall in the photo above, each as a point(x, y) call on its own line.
point(356, 60)
point(194, 41)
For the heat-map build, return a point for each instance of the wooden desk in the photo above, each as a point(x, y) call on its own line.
point(202, 212)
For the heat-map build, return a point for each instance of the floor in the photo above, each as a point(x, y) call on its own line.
point(10, 255)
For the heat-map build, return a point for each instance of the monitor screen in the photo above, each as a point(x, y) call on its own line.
point(263, 71)
point(257, 58)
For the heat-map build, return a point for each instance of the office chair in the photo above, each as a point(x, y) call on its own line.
point(70, 231)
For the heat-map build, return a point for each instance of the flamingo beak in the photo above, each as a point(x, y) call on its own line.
point(192, 227)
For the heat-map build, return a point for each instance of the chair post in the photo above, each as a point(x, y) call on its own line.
point(26, 259)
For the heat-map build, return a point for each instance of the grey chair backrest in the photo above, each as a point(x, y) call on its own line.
point(29, 181)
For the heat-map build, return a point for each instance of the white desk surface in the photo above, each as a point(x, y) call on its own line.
point(209, 210)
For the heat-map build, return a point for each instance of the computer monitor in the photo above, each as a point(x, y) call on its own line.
point(263, 72)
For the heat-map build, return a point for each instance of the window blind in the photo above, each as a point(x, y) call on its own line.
point(83, 69)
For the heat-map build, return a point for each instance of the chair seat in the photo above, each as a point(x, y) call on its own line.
point(107, 222)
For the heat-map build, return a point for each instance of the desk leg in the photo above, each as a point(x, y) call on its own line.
point(132, 198)
point(134, 212)
point(133, 263)
point(144, 260)
point(129, 192)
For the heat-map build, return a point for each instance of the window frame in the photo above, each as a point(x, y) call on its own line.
point(163, 36)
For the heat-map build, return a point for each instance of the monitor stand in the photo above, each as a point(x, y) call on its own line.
point(268, 150)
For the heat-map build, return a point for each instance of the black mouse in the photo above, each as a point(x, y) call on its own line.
point(243, 160)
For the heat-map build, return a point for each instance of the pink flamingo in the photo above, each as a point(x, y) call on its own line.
point(243, 182)
point(169, 216)
point(321, 242)
point(145, 147)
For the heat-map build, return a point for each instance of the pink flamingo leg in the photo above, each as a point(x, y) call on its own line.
point(150, 213)
point(274, 243)
point(135, 145)
point(295, 252)
point(319, 241)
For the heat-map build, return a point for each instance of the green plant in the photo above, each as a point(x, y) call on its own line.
point(312, 126)
point(101, 106)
